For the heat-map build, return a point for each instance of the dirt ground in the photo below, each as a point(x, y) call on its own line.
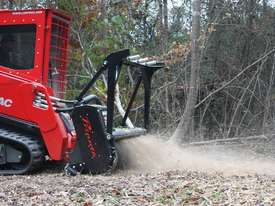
point(156, 173)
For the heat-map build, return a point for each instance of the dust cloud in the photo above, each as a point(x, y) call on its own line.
point(151, 154)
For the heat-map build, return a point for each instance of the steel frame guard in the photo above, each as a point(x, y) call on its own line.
point(113, 64)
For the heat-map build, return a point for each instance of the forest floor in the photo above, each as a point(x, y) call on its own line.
point(221, 174)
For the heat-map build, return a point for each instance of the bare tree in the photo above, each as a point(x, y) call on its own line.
point(165, 18)
point(160, 20)
point(264, 6)
point(185, 124)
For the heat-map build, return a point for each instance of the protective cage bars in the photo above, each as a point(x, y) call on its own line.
point(58, 56)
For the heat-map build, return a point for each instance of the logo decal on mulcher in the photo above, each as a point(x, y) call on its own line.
point(5, 102)
point(88, 131)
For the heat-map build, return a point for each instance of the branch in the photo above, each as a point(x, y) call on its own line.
point(236, 77)
point(120, 107)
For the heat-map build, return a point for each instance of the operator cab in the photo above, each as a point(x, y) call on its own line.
point(34, 45)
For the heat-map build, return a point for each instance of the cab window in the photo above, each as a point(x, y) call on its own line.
point(17, 46)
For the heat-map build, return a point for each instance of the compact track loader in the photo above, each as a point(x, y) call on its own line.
point(36, 123)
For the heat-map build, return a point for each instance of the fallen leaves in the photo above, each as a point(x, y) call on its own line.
point(170, 188)
point(183, 187)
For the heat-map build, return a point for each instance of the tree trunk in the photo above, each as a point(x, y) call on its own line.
point(264, 7)
point(165, 18)
point(250, 18)
point(181, 133)
point(160, 22)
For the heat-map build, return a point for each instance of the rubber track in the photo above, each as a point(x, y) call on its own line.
point(30, 144)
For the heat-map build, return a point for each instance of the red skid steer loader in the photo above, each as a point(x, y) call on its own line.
point(36, 122)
